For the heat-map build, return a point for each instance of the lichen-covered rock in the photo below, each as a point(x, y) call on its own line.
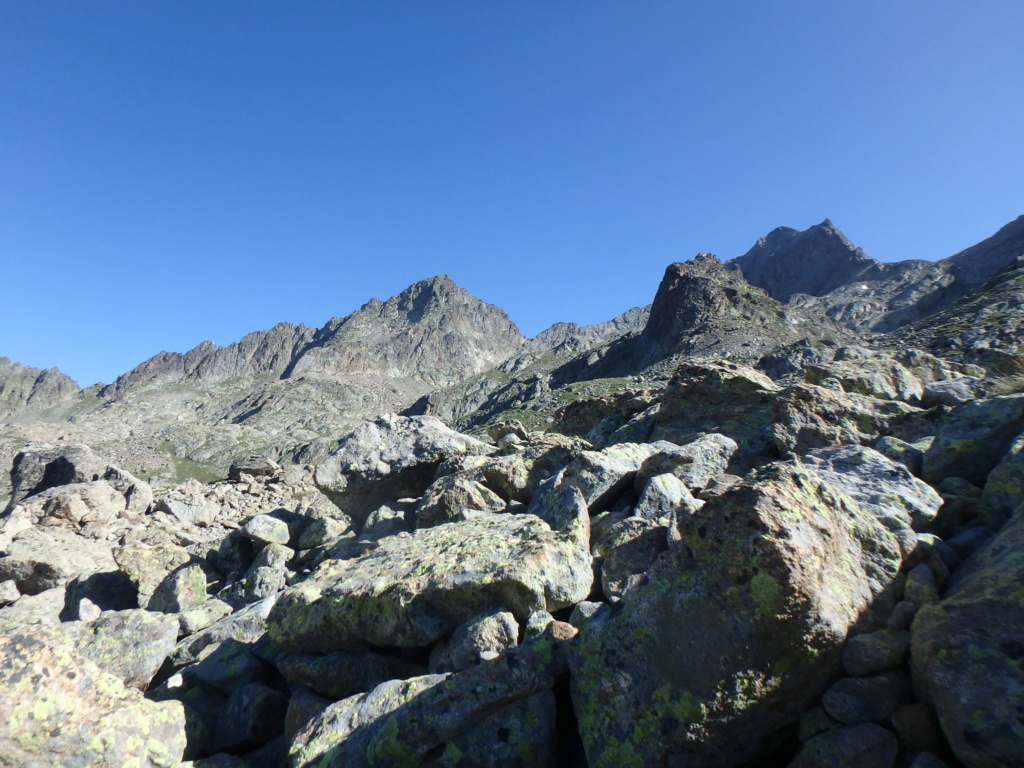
point(148, 566)
point(807, 417)
point(953, 392)
point(736, 629)
point(722, 397)
point(78, 507)
point(342, 674)
point(476, 640)
point(881, 378)
point(246, 625)
point(521, 735)
point(266, 529)
point(412, 590)
point(1004, 489)
point(974, 439)
point(447, 498)
point(855, 746)
point(252, 716)
point(966, 653)
point(31, 610)
point(399, 722)
point(59, 708)
point(662, 495)
point(872, 652)
point(182, 590)
point(43, 558)
point(131, 645)
point(601, 475)
point(391, 458)
point(254, 465)
point(694, 464)
point(879, 485)
point(907, 454)
point(629, 548)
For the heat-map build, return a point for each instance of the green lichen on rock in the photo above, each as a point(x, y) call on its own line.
point(737, 627)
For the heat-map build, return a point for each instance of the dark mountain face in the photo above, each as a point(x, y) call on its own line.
point(815, 261)
point(33, 389)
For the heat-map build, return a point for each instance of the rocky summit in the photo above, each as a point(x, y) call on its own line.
point(775, 518)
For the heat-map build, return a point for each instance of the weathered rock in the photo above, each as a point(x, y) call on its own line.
point(391, 458)
point(230, 666)
point(813, 722)
point(694, 464)
point(879, 485)
point(8, 592)
point(974, 439)
point(39, 467)
point(389, 520)
point(855, 746)
point(629, 549)
point(253, 715)
point(147, 567)
point(966, 653)
point(879, 378)
point(807, 417)
point(920, 587)
point(59, 708)
point(875, 652)
point(43, 558)
point(477, 640)
point(736, 629)
point(602, 475)
point(1004, 488)
point(182, 590)
point(952, 392)
point(447, 498)
point(662, 495)
point(195, 619)
point(32, 610)
point(188, 509)
point(853, 700)
point(246, 625)
point(905, 453)
point(399, 722)
point(413, 589)
point(522, 735)
point(719, 397)
point(918, 729)
point(78, 506)
point(254, 465)
point(341, 674)
point(265, 529)
point(130, 645)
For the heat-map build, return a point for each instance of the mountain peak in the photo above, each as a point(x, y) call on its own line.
point(814, 261)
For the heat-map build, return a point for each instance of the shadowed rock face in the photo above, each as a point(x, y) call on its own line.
point(32, 389)
point(815, 261)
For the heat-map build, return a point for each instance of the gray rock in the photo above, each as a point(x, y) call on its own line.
point(855, 746)
point(628, 549)
point(341, 674)
point(8, 592)
point(1004, 488)
point(254, 465)
point(479, 639)
point(694, 463)
point(813, 722)
point(43, 558)
point(853, 700)
point(33, 610)
point(966, 652)
point(974, 439)
point(663, 494)
point(918, 729)
point(203, 616)
point(266, 530)
point(905, 453)
point(879, 485)
point(602, 475)
point(59, 708)
point(921, 588)
point(246, 625)
point(705, 621)
point(875, 652)
point(39, 467)
point(182, 590)
point(413, 589)
point(230, 666)
point(391, 458)
point(252, 716)
point(952, 392)
point(401, 721)
point(902, 615)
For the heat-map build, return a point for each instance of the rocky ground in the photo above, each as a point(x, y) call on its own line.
point(724, 531)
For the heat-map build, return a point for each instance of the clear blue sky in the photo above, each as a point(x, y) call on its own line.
point(180, 171)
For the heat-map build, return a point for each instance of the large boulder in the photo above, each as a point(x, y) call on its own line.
point(59, 708)
point(736, 629)
point(967, 653)
point(974, 439)
point(413, 589)
point(39, 467)
point(1004, 489)
point(878, 484)
point(387, 459)
point(43, 558)
point(399, 722)
point(881, 378)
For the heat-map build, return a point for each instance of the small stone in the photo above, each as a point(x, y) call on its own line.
point(202, 616)
point(230, 666)
point(814, 722)
point(8, 592)
point(918, 728)
point(958, 486)
point(254, 714)
point(902, 615)
point(489, 634)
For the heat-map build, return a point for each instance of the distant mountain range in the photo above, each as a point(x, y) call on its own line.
point(293, 391)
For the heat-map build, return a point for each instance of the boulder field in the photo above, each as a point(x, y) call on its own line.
point(812, 573)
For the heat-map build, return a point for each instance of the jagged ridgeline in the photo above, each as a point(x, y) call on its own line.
point(774, 518)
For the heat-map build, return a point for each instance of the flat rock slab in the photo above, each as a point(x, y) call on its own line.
point(416, 588)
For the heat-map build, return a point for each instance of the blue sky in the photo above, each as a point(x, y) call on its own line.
point(175, 172)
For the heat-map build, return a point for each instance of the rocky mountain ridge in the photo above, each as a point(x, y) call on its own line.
point(720, 531)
